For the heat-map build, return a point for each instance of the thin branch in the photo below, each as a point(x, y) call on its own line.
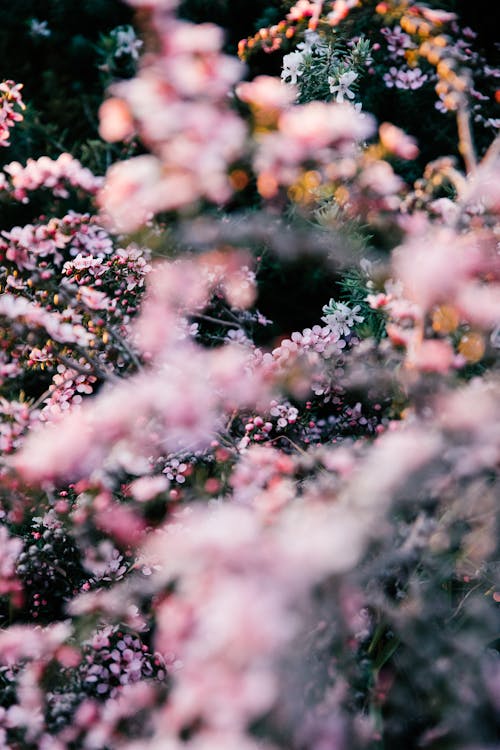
point(465, 142)
point(123, 343)
point(232, 314)
point(75, 366)
point(285, 437)
point(209, 319)
point(462, 602)
point(97, 368)
point(492, 153)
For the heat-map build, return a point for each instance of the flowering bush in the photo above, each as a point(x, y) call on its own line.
point(219, 533)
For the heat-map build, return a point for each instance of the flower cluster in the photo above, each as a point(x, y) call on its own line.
point(57, 175)
point(11, 103)
point(219, 531)
point(112, 659)
point(193, 146)
point(10, 549)
point(409, 78)
point(340, 318)
point(303, 16)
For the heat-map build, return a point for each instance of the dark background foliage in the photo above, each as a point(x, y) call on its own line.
point(60, 73)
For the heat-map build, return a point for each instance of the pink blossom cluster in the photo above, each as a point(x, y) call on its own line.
point(115, 659)
point(66, 287)
point(10, 547)
point(405, 78)
point(100, 436)
point(326, 132)
point(331, 136)
point(466, 300)
point(10, 103)
point(312, 346)
point(279, 416)
point(207, 544)
point(262, 480)
point(309, 10)
point(14, 418)
point(35, 245)
point(228, 558)
point(63, 327)
point(397, 41)
point(67, 389)
point(57, 175)
point(177, 104)
point(340, 10)
point(77, 232)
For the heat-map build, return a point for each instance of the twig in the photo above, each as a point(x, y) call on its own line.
point(465, 142)
point(462, 602)
point(209, 319)
point(492, 152)
point(75, 365)
point(97, 369)
point(123, 343)
point(285, 437)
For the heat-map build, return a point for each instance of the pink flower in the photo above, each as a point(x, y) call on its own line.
point(121, 523)
point(188, 38)
point(146, 488)
point(318, 124)
point(380, 178)
point(266, 92)
point(397, 142)
point(94, 299)
point(130, 194)
point(405, 78)
point(306, 9)
point(340, 9)
point(10, 103)
point(479, 303)
point(436, 16)
point(54, 174)
point(434, 266)
point(432, 356)
point(27, 642)
point(116, 122)
point(166, 5)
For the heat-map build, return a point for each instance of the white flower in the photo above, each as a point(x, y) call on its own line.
point(311, 40)
point(366, 266)
point(341, 88)
point(340, 318)
point(292, 64)
point(127, 42)
point(495, 338)
point(39, 28)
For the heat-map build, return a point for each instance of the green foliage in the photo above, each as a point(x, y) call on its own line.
point(355, 287)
